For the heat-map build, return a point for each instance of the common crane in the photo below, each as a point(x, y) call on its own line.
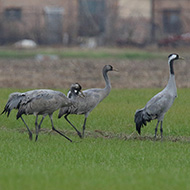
point(13, 102)
point(92, 97)
point(160, 103)
point(38, 102)
point(44, 103)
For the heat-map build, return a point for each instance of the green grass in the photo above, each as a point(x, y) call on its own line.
point(114, 158)
point(101, 53)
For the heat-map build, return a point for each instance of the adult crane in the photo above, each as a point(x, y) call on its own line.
point(13, 102)
point(160, 103)
point(92, 97)
point(38, 102)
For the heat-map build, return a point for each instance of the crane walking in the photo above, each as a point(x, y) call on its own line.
point(92, 97)
point(160, 103)
point(14, 103)
point(44, 103)
point(38, 102)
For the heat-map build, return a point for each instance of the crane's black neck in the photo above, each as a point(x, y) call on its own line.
point(171, 67)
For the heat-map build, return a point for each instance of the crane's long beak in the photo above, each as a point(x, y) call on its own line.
point(115, 70)
point(81, 94)
point(181, 58)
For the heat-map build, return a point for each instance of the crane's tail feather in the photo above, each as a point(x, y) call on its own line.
point(12, 103)
point(19, 113)
point(6, 110)
point(139, 120)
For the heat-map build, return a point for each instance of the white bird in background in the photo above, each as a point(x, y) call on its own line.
point(92, 97)
point(160, 103)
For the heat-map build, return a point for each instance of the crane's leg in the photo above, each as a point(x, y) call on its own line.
point(79, 134)
point(37, 128)
point(161, 130)
point(29, 132)
point(84, 127)
point(43, 117)
point(156, 129)
point(53, 128)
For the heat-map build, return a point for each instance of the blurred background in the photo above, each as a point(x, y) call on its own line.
point(95, 22)
point(145, 25)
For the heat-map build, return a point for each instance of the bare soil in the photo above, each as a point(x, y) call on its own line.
point(109, 135)
point(31, 73)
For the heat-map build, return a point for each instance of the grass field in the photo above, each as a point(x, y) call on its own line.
point(111, 156)
point(100, 53)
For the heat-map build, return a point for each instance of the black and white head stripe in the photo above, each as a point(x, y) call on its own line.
point(74, 89)
point(173, 56)
point(76, 86)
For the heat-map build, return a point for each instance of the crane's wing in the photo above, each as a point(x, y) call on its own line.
point(87, 103)
point(159, 104)
point(45, 102)
point(15, 100)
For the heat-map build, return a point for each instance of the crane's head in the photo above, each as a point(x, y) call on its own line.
point(173, 56)
point(109, 68)
point(76, 88)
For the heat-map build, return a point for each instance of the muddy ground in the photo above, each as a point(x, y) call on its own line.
point(47, 73)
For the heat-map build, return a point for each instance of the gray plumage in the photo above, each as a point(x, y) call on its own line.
point(38, 102)
point(160, 103)
point(14, 103)
point(43, 102)
point(92, 97)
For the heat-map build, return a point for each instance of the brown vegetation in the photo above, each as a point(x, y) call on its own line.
point(30, 73)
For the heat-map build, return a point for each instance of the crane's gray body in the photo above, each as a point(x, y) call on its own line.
point(45, 98)
point(38, 102)
point(161, 102)
point(157, 107)
point(42, 102)
point(84, 105)
point(92, 97)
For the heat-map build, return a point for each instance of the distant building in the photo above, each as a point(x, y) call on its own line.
point(149, 21)
point(171, 17)
point(93, 22)
point(57, 21)
point(134, 22)
point(134, 8)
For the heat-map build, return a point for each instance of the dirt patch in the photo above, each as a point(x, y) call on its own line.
point(109, 135)
point(30, 73)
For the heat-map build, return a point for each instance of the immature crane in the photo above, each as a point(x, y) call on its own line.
point(92, 97)
point(160, 103)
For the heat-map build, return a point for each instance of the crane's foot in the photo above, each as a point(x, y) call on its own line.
point(30, 136)
point(36, 138)
point(79, 134)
